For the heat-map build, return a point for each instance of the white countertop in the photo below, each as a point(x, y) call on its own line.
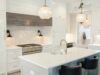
point(48, 60)
point(94, 46)
point(13, 47)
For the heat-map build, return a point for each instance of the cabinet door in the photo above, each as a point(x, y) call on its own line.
point(13, 60)
point(2, 36)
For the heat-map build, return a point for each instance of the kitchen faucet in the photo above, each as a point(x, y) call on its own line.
point(63, 45)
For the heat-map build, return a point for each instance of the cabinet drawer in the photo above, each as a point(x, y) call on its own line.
point(13, 61)
point(14, 57)
point(14, 52)
point(14, 68)
point(13, 65)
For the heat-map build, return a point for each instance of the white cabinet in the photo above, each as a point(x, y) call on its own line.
point(13, 54)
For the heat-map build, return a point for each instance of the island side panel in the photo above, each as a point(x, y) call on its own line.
point(99, 64)
point(28, 68)
point(54, 71)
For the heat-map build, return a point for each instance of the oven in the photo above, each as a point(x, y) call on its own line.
point(30, 48)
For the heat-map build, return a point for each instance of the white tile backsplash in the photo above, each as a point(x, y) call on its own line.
point(27, 34)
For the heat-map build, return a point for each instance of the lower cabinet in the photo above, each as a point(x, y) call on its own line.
point(13, 62)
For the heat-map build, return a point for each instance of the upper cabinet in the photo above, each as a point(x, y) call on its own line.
point(26, 20)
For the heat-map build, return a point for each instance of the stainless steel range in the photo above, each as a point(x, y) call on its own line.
point(30, 48)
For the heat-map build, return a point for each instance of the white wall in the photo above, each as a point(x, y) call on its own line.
point(56, 32)
point(74, 27)
point(24, 6)
point(93, 10)
point(96, 24)
point(60, 25)
point(2, 37)
point(95, 19)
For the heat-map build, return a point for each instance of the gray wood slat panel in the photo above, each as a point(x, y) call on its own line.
point(26, 20)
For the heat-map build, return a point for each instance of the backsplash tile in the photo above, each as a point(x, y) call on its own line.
point(27, 34)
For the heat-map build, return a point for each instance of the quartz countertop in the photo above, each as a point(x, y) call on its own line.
point(49, 60)
point(13, 47)
point(94, 46)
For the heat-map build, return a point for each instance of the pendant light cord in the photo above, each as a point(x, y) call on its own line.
point(45, 3)
point(81, 6)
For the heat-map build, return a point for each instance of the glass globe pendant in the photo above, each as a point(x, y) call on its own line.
point(87, 22)
point(81, 18)
point(45, 12)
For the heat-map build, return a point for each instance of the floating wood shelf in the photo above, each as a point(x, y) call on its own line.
point(26, 20)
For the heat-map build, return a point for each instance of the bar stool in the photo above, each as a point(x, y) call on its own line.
point(70, 70)
point(90, 64)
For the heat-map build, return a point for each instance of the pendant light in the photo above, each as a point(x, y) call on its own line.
point(87, 22)
point(81, 17)
point(45, 12)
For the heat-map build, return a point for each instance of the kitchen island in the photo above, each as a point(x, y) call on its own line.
point(45, 63)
